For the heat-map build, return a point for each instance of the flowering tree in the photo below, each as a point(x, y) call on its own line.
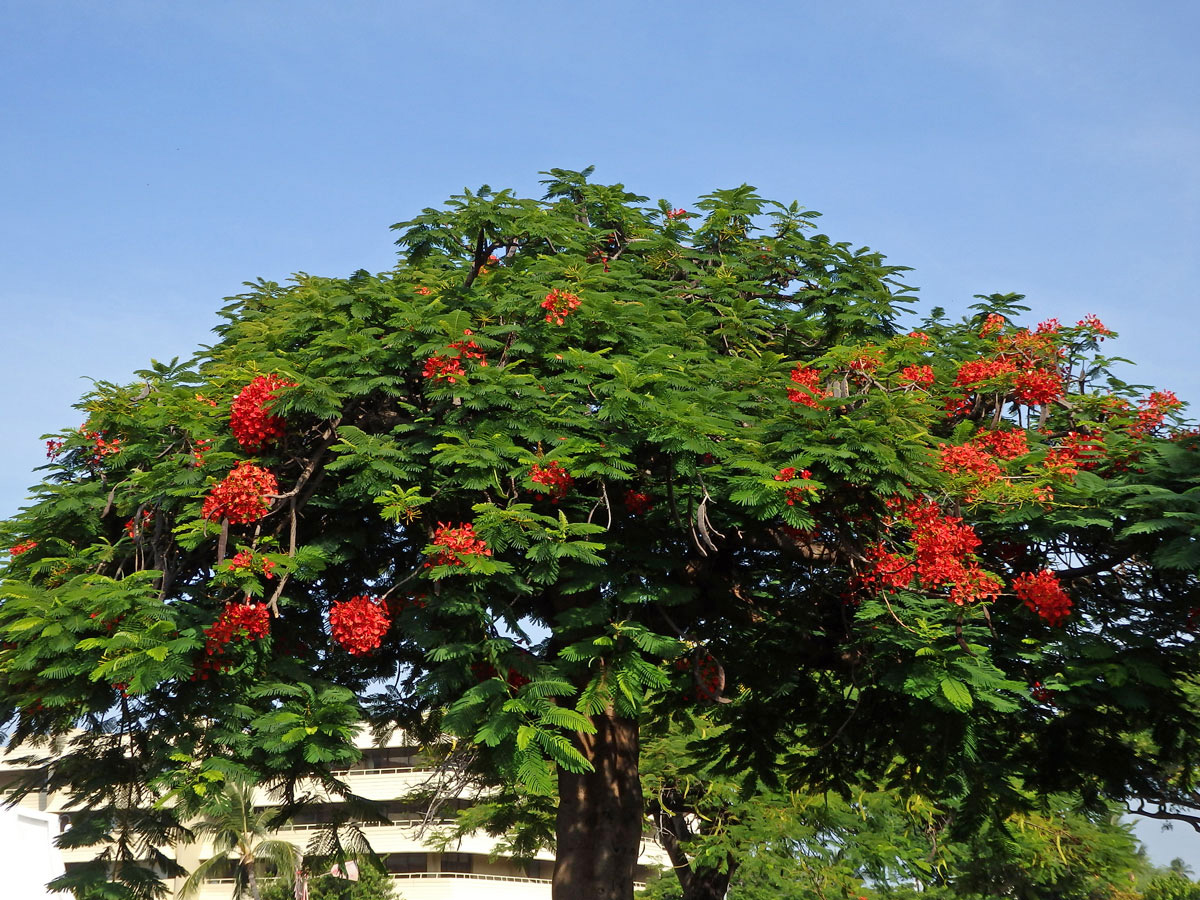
point(695, 449)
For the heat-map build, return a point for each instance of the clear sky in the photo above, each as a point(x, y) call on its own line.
point(155, 155)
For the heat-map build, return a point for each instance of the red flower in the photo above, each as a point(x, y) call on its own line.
point(980, 370)
point(456, 541)
point(993, 323)
point(637, 503)
point(250, 417)
point(554, 477)
point(1084, 451)
point(1092, 322)
point(1037, 387)
point(1044, 595)
point(889, 570)
point(23, 547)
point(797, 494)
point(134, 529)
point(1005, 444)
point(359, 624)
point(244, 496)
point(558, 305)
point(1041, 694)
point(677, 213)
point(944, 545)
point(237, 622)
point(970, 459)
point(921, 376)
point(810, 391)
point(1153, 410)
point(438, 367)
point(247, 562)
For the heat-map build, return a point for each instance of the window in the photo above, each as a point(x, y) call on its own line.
point(398, 863)
point(539, 868)
point(458, 862)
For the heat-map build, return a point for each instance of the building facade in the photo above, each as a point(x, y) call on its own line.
point(386, 774)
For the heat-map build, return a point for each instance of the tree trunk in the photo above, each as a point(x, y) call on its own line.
point(702, 884)
point(708, 884)
point(253, 881)
point(599, 826)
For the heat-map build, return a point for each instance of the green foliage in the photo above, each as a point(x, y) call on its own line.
point(372, 884)
point(737, 417)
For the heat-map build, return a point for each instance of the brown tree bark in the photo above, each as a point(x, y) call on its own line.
point(708, 884)
point(599, 825)
point(696, 884)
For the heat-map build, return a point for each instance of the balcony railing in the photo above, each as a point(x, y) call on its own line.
point(399, 876)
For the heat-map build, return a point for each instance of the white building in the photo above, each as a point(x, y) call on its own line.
point(28, 856)
point(385, 774)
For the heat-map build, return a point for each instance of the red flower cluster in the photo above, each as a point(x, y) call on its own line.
point(889, 570)
point(1085, 452)
point(23, 547)
point(456, 541)
point(1007, 444)
point(943, 545)
point(250, 417)
point(244, 495)
point(978, 370)
point(245, 561)
point(958, 406)
point(53, 448)
point(1093, 322)
point(866, 360)
point(468, 349)
point(554, 478)
point(920, 336)
point(993, 323)
point(449, 366)
point(1029, 345)
point(237, 622)
point(1037, 387)
point(1041, 694)
point(677, 213)
point(1060, 464)
point(1153, 410)
point(970, 459)
point(424, 291)
point(558, 305)
point(133, 528)
point(438, 367)
point(359, 624)
point(1044, 595)
point(203, 445)
point(921, 376)
point(810, 391)
point(637, 503)
point(101, 447)
point(796, 494)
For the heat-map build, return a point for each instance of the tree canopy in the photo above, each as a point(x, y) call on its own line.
point(581, 463)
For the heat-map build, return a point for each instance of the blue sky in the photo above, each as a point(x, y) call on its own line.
point(155, 155)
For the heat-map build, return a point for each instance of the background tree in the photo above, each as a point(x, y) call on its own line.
point(698, 450)
point(372, 884)
point(242, 839)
